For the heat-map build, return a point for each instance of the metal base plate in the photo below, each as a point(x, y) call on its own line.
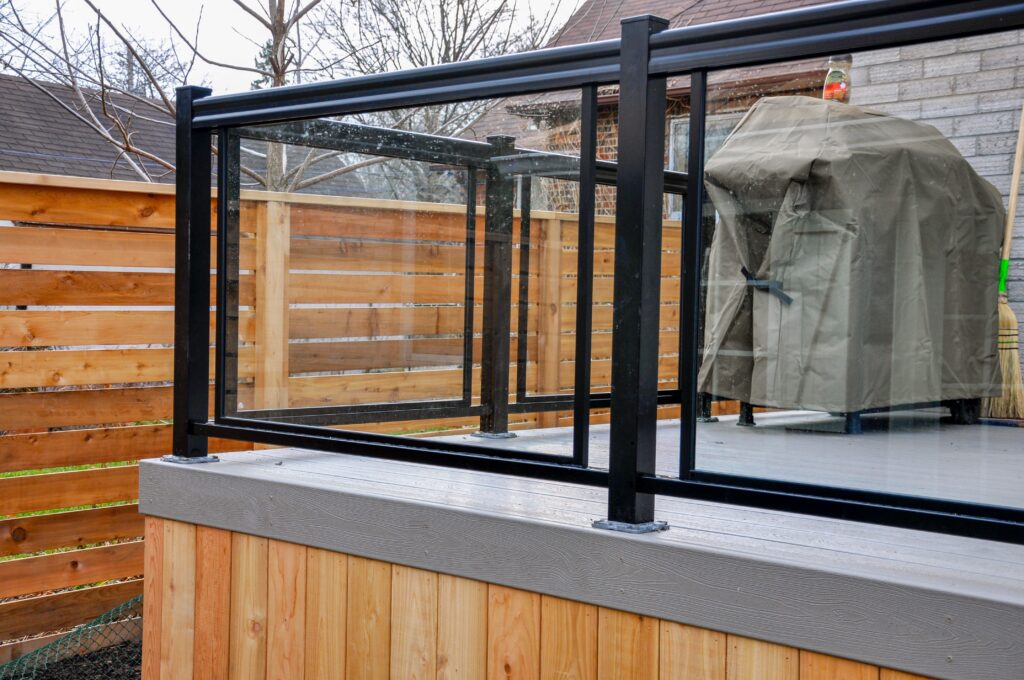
point(494, 435)
point(627, 528)
point(189, 460)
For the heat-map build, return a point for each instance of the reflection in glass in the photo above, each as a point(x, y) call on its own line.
point(850, 275)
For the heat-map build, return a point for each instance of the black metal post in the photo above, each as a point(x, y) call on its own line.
point(191, 283)
point(497, 312)
point(585, 276)
point(469, 300)
point(635, 316)
point(690, 308)
point(228, 214)
point(523, 322)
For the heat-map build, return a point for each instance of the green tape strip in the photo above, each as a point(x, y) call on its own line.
point(1004, 273)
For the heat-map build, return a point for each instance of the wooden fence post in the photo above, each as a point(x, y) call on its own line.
point(273, 231)
point(549, 315)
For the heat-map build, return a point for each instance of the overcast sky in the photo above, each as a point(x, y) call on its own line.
point(227, 32)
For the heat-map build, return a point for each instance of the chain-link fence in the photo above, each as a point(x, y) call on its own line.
point(107, 648)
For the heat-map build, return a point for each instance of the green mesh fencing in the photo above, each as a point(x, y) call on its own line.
point(107, 648)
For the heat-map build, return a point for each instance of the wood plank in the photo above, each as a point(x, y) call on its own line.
point(309, 357)
point(378, 288)
point(152, 601)
point(414, 223)
point(395, 386)
point(602, 320)
point(42, 410)
point(84, 367)
point(65, 287)
point(49, 328)
point(89, 247)
point(568, 645)
point(41, 450)
point(368, 626)
point(629, 646)
point(513, 634)
point(326, 604)
point(34, 411)
point(362, 322)
point(272, 291)
point(814, 666)
point(44, 287)
point(461, 628)
point(604, 262)
point(22, 535)
point(286, 611)
point(34, 615)
point(107, 635)
point(247, 652)
point(889, 674)
point(691, 653)
point(178, 601)
point(72, 568)
point(54, 490)
point(86, 206)
point(414, 613)
point(749, 659)
point(61, 368)
point(213, 604)
point(353, 254)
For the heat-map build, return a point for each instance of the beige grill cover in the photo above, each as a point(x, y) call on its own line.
point(875, 249)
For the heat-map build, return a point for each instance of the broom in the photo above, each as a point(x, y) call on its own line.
point(1011, 403)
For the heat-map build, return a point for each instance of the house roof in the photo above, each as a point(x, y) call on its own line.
point(599, 19)
point(38, 135)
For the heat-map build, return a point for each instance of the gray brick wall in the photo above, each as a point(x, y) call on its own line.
point(972, 91)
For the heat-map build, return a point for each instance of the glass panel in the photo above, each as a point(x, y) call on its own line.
point(363, 237)
point(851, 271)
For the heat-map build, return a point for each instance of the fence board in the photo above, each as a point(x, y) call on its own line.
point(103, 207)
point(378, 321)
point(513, 634)
point(43, 450)
point(68, 489)
point(414, 619)
point(368, 624)
point(74, 528)
point(49, 328)
point(213, 598)
point(72, 568)
point(152, 601)
point(62, 610)
point(53, 287)
point(461, 628)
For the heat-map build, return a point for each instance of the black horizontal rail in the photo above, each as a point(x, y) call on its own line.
point(825, 29)
point(410, 450)
point(961, 519)
point(525, 73)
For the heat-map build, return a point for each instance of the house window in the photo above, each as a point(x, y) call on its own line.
point(718, 128)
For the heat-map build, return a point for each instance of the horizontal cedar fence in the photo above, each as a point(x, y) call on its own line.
point(86, 351)
point(342, 301)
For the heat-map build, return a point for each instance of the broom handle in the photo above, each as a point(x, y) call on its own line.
point(1018, 161)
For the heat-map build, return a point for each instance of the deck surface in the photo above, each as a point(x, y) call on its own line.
point(909, 453)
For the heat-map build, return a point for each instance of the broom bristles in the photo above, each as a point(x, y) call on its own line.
point(1011, 403)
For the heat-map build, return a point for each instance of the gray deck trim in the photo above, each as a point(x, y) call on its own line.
point(925, 603)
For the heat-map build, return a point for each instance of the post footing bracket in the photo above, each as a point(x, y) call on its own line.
point(627, 528)
point(189, 460)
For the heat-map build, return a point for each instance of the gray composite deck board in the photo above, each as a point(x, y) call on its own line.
point(919, 455)
point(926, 603)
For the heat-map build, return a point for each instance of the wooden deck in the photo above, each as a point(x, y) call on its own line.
point(931, 604)
point(909, 453)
